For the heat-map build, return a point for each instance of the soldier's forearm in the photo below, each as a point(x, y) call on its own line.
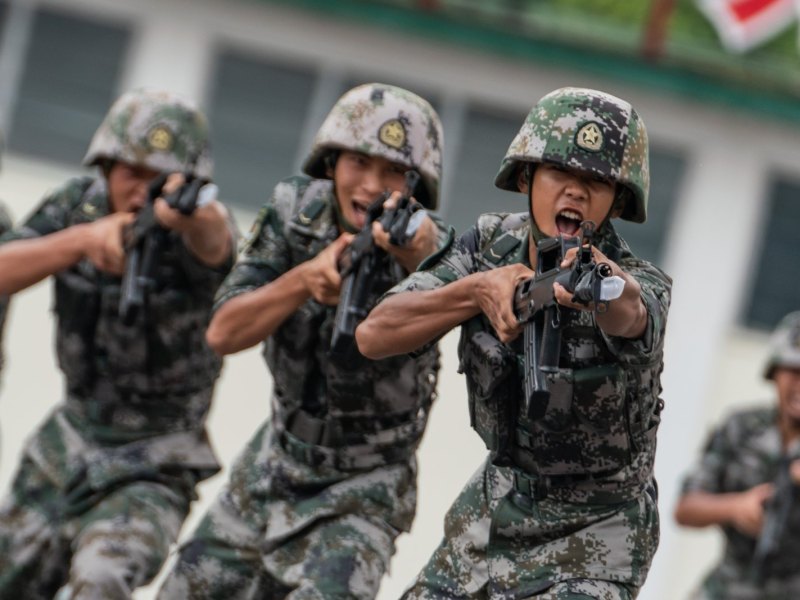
point(627, 315)
point(28, 261)
point(249, 318)
point(209, 238)
point(409, 320)
point(701, 509)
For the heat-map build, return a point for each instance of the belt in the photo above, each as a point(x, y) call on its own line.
point(345, 458)
point(531, 488)
point(335, 432)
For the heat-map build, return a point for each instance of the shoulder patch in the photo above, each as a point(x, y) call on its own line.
point(500, 248)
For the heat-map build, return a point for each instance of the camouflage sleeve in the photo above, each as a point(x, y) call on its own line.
point(52, 213)
point(265, 254)
point(444, 234)
point(656, 294)
point(708, 474)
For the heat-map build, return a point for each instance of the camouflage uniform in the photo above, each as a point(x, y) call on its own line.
point(565, 506)
point(106, 481)
point(319, 495)
point(744, 451)
point(741, 453)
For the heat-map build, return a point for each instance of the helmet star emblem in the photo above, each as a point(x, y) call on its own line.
point(589, 137)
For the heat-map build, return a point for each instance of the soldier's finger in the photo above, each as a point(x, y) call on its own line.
point(174, 181)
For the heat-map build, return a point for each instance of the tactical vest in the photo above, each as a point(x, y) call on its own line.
point(162, 356)
point(356, 399)
point(601, 416)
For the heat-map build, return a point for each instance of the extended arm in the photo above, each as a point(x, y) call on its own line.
point(25, 262)
point(250, 317)
point(426, 239)
point(206, 232)
point(405, 321)
point(742, 510)
point(626, 316)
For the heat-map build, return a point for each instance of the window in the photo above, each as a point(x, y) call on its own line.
point(68, 83)
point(774, 286)
point(257, 113)
point(647, 239)
point(486, 137)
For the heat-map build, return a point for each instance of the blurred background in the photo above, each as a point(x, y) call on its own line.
point(716, 81)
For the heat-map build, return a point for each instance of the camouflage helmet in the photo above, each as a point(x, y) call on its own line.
point(784, 345)
point(156, 130)
point(386, 121)
point(587, 130)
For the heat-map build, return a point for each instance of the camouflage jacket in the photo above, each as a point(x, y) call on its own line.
point(742, 452)
point(5, 225)
point(128, 382)
point(371, 402)
point(597, 436)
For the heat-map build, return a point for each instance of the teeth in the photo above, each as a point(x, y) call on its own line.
point(570, 214)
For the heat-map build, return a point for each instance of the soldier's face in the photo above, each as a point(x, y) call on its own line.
point(787, 383)
point(359, 179)
point(127, 186)
point(562, 198)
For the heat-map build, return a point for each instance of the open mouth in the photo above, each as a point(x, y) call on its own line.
point(360, 211)
point(568, 222)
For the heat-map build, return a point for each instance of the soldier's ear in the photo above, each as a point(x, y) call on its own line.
point(330, 164)
point(523, 177)
point(621, 198)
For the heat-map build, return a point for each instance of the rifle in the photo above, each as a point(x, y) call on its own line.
point(363, 259)
point(536, 306)
point(146, 238)
point(776, 519)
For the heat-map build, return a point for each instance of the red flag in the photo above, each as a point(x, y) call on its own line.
point(745, 24)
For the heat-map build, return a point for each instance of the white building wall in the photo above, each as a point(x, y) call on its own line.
point(711, 364)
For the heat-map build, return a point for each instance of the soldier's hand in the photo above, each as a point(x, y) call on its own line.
point(321, 274)
point(420, 246)
point(210, 214)
point(748, 514)
point(494, 292)
point(104, 244)
point(564, 298)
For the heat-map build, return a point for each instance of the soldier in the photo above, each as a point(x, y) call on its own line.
point(106, 481)
point(320, 493)
point(732, 487)
point(565, 505)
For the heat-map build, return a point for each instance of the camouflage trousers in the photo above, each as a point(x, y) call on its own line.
point(97, 547)
point(285, 529)
point(498, 547)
